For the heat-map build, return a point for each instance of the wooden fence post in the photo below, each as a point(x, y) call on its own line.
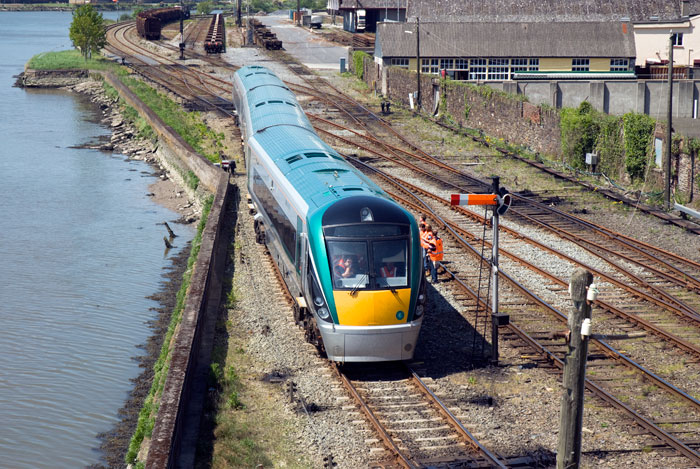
point(571, 419)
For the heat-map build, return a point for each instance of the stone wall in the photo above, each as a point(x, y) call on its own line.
point(688, 176)
point(498, 116)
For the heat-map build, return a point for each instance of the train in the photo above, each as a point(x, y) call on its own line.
point(348, 253)
point(215, 41)
point(150, 22)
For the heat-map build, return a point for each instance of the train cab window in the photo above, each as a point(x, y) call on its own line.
point(390, 260)
point(370, 264)
point(349, 265)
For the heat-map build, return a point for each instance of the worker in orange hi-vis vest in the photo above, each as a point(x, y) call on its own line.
point(435, 252)
point(424, 244)
point(388, 270)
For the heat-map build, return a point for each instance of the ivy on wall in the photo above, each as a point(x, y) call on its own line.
point(579, 131)
point(358, 61)
point(638, 130)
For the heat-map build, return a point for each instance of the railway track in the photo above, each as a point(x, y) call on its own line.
point(416, 427)
point(658, 290)
point(652, 402)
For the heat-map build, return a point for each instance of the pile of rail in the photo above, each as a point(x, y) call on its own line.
point(263, 37)
point(215, 42)
point(363, 42)
point(150, 22)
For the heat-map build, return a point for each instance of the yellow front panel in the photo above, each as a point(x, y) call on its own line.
point(372, 308)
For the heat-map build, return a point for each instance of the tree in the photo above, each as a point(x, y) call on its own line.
point(87, 31)
point(204, 8)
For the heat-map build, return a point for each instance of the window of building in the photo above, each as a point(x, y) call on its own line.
point(477, 69)
point(400, 62)
point(534, 65)
point(498, 69)
point(446, 64)
point(580, 65)
point(461, 64)
point(619, 65)
point(519, 65)
point(429, 66)
point(677, 39)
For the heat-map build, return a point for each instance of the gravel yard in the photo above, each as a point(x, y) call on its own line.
point(512, 408)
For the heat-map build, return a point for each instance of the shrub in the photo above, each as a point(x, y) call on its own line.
point(358, 60)
point(638, 130)
point(579, 131)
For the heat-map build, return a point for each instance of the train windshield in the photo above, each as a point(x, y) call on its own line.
point(369, 264)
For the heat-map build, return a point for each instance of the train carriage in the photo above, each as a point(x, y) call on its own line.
point(348, 253)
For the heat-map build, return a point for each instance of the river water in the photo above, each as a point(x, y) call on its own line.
point(80, 249)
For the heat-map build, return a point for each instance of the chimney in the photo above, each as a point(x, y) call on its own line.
point(685, 4)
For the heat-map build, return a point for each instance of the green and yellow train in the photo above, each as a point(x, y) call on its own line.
point(348, 253)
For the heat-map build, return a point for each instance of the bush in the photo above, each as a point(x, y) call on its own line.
point(579, 131)
point(358, 60)
point(610, 146)
point(638, 130)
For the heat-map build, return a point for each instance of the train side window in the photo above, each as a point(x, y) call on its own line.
point(300, 228)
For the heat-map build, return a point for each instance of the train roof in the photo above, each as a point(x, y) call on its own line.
point(316, 171)
point(269, 101)
point(279, 126)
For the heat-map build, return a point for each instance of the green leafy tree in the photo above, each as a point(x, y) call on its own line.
point(204, 8)
point(87, 31)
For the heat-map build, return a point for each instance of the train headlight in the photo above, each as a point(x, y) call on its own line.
point(366, 214)
point(323, 313)
point(421, 298)
point(318, 301)
point(419, 311)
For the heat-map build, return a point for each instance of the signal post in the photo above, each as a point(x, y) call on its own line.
point(500, 199)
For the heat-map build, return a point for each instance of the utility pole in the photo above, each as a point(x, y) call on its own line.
point(238, 15)
point(182, 29)
point(574, 380)
point(298, 14)
point(669, 116)
point(418, 66)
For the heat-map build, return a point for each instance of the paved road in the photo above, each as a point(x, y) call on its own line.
point(303, 44)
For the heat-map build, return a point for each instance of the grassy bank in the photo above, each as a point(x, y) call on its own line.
point(72, 60)
point(189, 125)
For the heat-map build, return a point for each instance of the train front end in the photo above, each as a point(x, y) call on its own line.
point(372, 282)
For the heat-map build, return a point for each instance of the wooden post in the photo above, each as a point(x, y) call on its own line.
point(571, 419)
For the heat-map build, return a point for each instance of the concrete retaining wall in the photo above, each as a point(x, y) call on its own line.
point(176, 429)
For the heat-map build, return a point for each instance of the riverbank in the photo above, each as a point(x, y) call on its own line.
point(165, 192)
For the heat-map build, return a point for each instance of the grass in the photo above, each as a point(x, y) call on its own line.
point(248, 430)
point(189, 125)
point(71, 60)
